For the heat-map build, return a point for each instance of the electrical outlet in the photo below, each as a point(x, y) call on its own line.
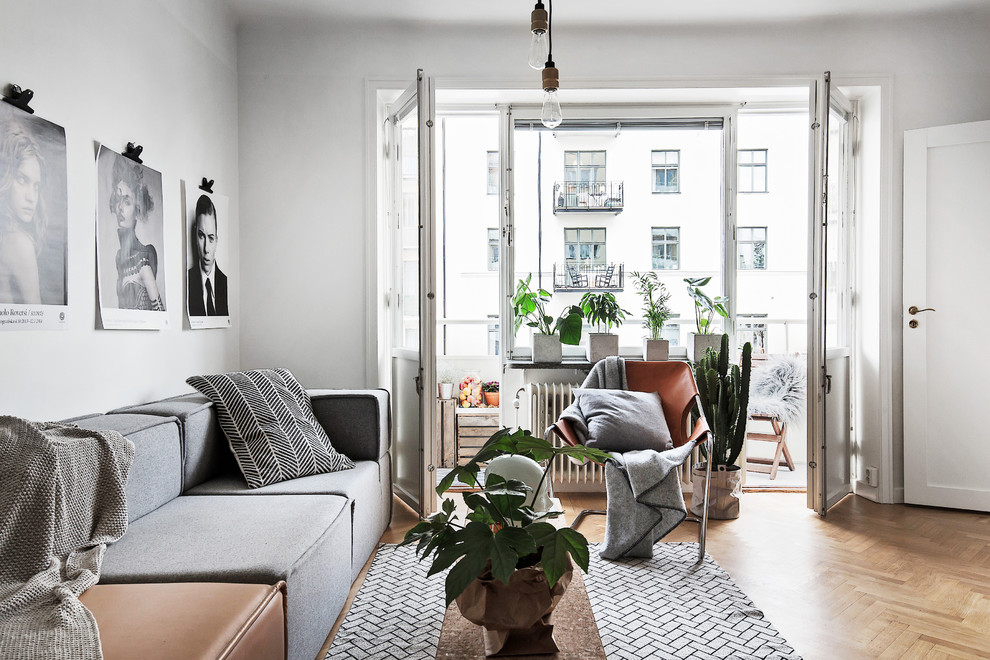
point(872, 476)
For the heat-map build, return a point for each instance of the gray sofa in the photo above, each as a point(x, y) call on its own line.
point(192, 517)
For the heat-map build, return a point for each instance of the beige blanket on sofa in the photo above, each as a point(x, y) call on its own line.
point(61, 502)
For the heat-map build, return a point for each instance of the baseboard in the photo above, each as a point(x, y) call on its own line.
point(865, 490)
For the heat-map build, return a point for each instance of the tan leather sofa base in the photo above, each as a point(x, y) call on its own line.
point(192, 621)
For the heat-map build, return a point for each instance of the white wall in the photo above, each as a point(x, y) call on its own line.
point(303, 122)
point(162, 74)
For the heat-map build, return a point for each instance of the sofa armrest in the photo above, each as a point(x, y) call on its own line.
point(358, 421)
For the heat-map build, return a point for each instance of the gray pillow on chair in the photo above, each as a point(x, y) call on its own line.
point(623, 420)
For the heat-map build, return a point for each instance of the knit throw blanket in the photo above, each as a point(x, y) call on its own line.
point(61, 503)
point(644, 500)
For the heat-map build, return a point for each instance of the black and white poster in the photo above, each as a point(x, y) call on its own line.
point(207, 240)
point(33, 222)
point(130, 246)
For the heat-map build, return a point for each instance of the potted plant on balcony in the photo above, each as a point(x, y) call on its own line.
point(724, 396)
point(602, 309)
point(490, 390)
point(655, 314)
point(529, 308)
point(705, 309)
point(512, 565)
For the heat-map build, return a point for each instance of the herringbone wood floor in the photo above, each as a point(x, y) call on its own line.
point(868, 581)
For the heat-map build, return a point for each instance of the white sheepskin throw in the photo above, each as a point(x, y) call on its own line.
point(778, 387)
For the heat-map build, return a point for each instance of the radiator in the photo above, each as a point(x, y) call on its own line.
point(546, 402)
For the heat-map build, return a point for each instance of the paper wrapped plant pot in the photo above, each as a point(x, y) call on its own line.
point(515, 617)
point(723, 492)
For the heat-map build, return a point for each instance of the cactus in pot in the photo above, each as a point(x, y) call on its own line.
point(724, 395)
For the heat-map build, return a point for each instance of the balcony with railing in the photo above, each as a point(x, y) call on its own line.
point(601, 196)
point(588, 277)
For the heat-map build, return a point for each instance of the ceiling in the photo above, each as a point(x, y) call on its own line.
point(588, 12)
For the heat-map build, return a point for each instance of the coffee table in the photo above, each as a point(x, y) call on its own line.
point(575, 630)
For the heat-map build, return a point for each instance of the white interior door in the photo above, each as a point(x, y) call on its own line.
point(413, 300)
point(946, 276)
point(829, 313)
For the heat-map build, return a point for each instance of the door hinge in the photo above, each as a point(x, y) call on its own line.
point(431, 467)
point(812, 464)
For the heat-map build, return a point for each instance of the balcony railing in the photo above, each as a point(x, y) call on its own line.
point(588, 277)
point(587, 196)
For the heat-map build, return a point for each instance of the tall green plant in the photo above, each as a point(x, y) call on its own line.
point(529, 308)
point(602, 309)
point(705, 307)
point(500, 527)
point(655, 298)
point(725, 400)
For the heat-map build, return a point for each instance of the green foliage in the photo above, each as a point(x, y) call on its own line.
point(602, 309)
point(655, 299)
point(530, 308)
point(725, 400)
point(705, 307)
point(490, 386)
point(500, 527)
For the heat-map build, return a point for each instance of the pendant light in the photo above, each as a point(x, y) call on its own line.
point(551, 115)
point(538, 49)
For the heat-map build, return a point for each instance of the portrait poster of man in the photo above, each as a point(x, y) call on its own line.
point(33, 222)
point(207, 241)
point(130, 246)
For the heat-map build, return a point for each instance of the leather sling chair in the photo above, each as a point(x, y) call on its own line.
point(675, 384)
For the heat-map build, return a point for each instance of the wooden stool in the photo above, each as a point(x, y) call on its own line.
point(779, 435)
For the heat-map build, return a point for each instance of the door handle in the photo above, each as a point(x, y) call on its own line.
point(828, 384)
point(914, 309)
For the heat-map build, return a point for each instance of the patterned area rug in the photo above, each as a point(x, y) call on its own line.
point(645, 608)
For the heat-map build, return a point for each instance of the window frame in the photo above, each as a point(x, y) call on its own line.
point(665, 242)
point(740, 242)
point(592, 261)
point(494, 168)
point(494, 241)
point(655, 167)
point(580, 167)
point(750, 168)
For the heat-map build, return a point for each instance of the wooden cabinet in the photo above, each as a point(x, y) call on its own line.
point(463, 431)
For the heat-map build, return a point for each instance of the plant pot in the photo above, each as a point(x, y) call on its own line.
point(516, 617)
point(446, 390)
point(601, 345)
point(491, 398)
point(546, 348)
point(656, 350)
point(723, 492)
point(698, 345)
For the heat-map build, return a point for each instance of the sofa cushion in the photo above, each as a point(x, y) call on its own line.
point(155, 476)
point(358, 421)
point(367, 486)
point(268, 420)
point(205, 452)
point(297, 538)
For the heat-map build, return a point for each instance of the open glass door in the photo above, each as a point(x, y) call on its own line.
point(413, 300)
point(829, 350)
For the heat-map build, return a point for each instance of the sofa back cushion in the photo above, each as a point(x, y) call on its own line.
point(156, 475)
point(205, 452)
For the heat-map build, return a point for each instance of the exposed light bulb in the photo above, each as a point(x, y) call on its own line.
point(551, 115)
point(539, 25)
point(538, 49)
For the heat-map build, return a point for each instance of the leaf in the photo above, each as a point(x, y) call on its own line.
point(475, 542)
point(554, 557)
point(577, 546)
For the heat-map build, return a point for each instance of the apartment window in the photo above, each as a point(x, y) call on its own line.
point(751, 329)
point(666, 171)
point(752, 245)
point(492, 172)
point(666, 248)
point(585, 245)
point(671, 330)
point(493, 336)
point(752, 176)
point(493, 249)
point(584, 166)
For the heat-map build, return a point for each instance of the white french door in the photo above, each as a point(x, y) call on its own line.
point(946, 233)
point(829, 298)
point(412, 298)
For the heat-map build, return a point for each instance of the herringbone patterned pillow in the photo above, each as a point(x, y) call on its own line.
point(268, 419)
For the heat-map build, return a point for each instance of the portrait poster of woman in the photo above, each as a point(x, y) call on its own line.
point(130, 245)
point(207, 232)
point(33, 222)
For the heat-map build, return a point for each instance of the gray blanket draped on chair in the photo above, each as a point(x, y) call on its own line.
point(61, 502)
point(644, 497)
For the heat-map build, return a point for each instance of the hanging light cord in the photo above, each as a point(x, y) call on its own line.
point(550, 30)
